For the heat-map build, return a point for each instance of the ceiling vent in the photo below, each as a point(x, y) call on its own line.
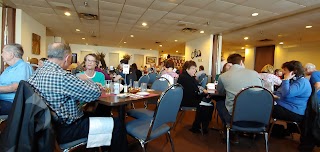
point(158, 42)
point(189, 30)
point(265, 40)
point(87, 16)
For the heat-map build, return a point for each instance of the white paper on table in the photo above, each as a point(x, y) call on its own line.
point(100, 131)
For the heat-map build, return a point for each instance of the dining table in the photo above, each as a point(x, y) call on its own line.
point(121, 100)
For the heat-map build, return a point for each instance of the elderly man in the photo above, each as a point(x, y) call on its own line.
point(231, 82)
point(308, 69)
point(18, 70)
point(63, 91)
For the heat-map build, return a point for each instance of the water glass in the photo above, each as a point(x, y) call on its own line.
point(143, 87)
point(136, 84)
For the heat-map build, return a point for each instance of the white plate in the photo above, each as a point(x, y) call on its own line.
point(122, 95)
point(150, 90)
point(143, 93)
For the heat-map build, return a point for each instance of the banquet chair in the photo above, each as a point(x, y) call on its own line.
point(161, 84)
point(143, 79)
point(252, 111)
point(152, 77)
point(146, 130)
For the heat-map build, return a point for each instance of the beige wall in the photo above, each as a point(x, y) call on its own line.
point(78, 48)
point(205, 45)
point(25, 26)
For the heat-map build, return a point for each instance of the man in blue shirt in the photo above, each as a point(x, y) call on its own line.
point(9, 80)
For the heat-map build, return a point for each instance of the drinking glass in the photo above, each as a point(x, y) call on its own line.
point(143, 87)
point(136, 84)
point(108, 86)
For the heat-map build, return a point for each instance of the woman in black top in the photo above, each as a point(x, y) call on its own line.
point(193, 94)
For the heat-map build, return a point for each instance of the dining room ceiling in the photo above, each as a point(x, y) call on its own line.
point(117, 20)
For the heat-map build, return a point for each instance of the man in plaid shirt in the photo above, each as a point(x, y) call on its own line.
point(63, 92)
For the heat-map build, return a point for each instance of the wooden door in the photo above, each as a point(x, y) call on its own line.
point(264, 55)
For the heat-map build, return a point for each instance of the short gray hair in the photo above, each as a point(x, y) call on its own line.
point(58, 50)
point(16, 49)
point(310, 66)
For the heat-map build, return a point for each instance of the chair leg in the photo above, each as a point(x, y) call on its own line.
point(270, 129)
point(178, 120)
point(142, 146)
point(298, 127)
point(132, 106)
point(266, 140)
point(228, 139)
point(171, 142)
point(145, 105)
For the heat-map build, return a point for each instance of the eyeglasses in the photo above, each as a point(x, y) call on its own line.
point(91, 61)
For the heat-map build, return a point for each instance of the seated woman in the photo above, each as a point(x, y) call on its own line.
point(269, 78)
point(294, 93)
point(193, 97)
point(91, 61)
point(169, 73)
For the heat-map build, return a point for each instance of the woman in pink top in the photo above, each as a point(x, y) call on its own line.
point(169, 69)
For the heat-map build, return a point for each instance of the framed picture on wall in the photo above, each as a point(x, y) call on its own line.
point(35, 44)
point(151, 60)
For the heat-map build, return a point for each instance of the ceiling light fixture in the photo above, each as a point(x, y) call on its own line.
point(131, 35)
point(83, 38)
point(281, 43)
point(176, 40)
point(242, 48)
point(308, 26)
point(150, 49)
point(160, 45)
point(77, 30)
point(67, 13)
point(177, 51)
point(246, 38)
point(144, 24)
point(201, 32)
point(124, 42)
point(254, 14)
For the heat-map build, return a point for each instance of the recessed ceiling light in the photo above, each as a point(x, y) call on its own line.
point(131, 35)
point(254, 14)
point(177, 51)
point(77, 30)
point(144, 24)
point(67, 13)
point(242, 48)
point(201, 32)
point(246, 38)
point(124, 42)
point(176, 40)
point(160, 45)
point(308, 26)
point(281, 43)
point(150, 49)
point(83, 38)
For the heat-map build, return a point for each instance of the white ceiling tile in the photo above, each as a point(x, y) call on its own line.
point(139, 3)
point(130, 16)
point(240, 10)
point(110, 6)
point(305, 2)
point(195, 20)
point(150, 13)
point(174, 16)
point(283, 6)
point(240, 20)
point(180, 9)
point(109, 13)
point(196, 3)
point(133, 9)
point(113, 1)
point(108, 19)
point(237, 1)
point(204, 14)
point(126, 21)
point(162, 6)
point(172, 1)
point(167, 21)
point(259, 4)
point(219, 6)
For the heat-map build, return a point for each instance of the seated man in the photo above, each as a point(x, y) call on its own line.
point(63, 91)
point(231, 82)
point(9, 80)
